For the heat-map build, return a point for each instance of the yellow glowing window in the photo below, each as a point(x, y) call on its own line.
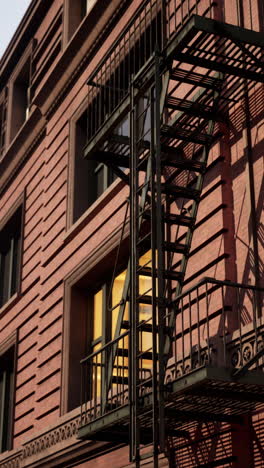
point(98, 315)
point(97, 371)
point(116, 298)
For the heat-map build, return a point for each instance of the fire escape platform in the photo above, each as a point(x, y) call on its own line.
point(206, 394)
point(213, 394)
point(203, 43)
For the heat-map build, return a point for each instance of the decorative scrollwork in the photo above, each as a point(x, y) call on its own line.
point(235, 358)
point(51, 439)
point(247, 352)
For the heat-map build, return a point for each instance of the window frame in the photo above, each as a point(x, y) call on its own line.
point(107, 174)
point(97, 265)
point(19, 204)
point(3, 120)
point(69, 26)
point(27, 56)
point(79, 288)
point(5, 347)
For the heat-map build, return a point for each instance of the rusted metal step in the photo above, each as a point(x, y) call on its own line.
point(143, 326)
point(193, 108)
point(196, 79)
point(167, 274)
point(173, 219)
point(188, 135)
point(178, 220)
point(175, 248)
point(180, 192)
point(172, 157)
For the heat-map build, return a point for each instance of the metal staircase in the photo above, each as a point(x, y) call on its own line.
point(178, 102)
point(174, 164)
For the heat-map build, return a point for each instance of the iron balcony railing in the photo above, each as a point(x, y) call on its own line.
point(96, 399)
point(153, 26)
point(218, 324)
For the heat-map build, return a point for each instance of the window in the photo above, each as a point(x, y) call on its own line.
point(10, 255)
point(75, 12)
point(91, 178)
point(6, 398)
point(20, 98)
point(92, 316)
point(3, 115)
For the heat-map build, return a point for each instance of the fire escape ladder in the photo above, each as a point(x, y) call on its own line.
point(146, 270)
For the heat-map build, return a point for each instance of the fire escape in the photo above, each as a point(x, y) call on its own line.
point(158, 102)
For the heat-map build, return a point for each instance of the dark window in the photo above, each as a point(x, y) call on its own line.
point(91, 178)
point(10, 253)
point(21, 99)
point(84, 8)
point(6, 399)
point(76, 11)
point(3, 107)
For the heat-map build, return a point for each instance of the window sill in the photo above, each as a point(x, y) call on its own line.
point(94, 209)
point(10, 303)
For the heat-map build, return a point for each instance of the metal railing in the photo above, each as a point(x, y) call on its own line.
point(151, 27)
point(96, 399)
point(219, 324)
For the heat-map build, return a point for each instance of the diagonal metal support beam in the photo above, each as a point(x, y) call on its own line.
point(193, 214)
point(125, 293)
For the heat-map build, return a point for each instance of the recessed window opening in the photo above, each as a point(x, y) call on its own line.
point(6, 398)
point(91, 178)
point(21, 99)
point(10, 253)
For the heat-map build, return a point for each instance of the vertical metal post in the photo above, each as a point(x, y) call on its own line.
point(224, 320)
point(160, 253)
point(155, 410)
point(134, 345)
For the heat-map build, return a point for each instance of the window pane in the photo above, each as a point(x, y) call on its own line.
point(98, 315)
point(14, 284)
point(5, 275)
point(97, 371)
point(99, 174)
point(10, 250)
point(145, 310)
point(116, 298)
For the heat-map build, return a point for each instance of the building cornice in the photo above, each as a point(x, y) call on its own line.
point(69, 67)
point(29, 24)
point(81, 48)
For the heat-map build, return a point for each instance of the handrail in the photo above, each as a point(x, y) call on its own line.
point(207, 279)
point(104, 347)
point(117, 40)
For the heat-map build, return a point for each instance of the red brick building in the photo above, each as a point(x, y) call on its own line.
point(131, 235)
